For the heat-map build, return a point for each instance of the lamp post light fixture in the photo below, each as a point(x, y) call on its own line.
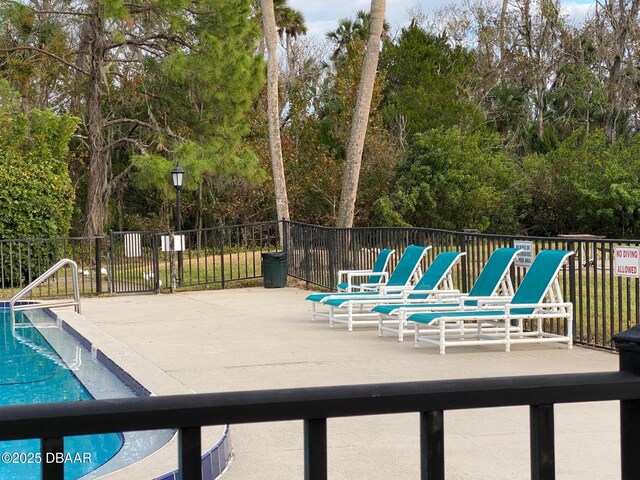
point(177, 176)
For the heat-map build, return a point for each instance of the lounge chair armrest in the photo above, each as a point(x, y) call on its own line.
point(366, 273)
point(411, 310)
point(482, 301)
point(449, 294)
point(370, 286)
point(407, 293)
point(488, 301)
point(397, 289)
point(540, 305)
point(342, 273)
point(426, 301)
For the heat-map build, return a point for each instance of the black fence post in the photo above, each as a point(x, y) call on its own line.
point(332, 263)
point(285, 235)
point(628, 344)
point(189, 446)
point(285, 244)
point(52, 458)
point(541, 433)
point(111, 278)
point(222, 256)
point(432, 445)
point(572, 289)
point(156, 262)
point(315, 449)
point(99, 265)
point(306, 237)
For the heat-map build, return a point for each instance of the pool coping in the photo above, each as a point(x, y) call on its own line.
point(145, 379)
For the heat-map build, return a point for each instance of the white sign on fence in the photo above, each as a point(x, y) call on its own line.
point(524, 258)
point(626, 262)
point(132, 245)
point(178, 243)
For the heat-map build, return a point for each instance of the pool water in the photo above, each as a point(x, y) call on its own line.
point(32, 372)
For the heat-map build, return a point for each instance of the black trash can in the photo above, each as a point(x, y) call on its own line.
point(274, 269)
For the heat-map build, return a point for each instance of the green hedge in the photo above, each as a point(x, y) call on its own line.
point(36, 194)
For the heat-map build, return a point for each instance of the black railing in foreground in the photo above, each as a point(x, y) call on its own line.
point(314, 406)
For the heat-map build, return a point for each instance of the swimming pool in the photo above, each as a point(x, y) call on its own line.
point(33, 371)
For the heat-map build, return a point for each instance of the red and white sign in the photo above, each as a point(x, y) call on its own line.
point(627, 262)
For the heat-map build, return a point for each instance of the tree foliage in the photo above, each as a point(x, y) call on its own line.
point(453, 180)
point(426, 80)
point(587, 185)
point(501, 116)
point(36, 195)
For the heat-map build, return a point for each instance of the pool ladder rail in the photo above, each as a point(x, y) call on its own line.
point(75, 302)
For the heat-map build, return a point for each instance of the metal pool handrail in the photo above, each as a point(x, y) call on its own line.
point(59, 303)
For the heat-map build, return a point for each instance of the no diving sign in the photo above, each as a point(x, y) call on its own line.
point(626, 262)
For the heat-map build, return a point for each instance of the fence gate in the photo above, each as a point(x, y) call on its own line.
point(133, 262)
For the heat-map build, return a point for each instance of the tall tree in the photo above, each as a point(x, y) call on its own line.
point(290, 24)
point(618, 25)
point(111, 45)
point(360, 119)
point(206, 93)
point(273, 112)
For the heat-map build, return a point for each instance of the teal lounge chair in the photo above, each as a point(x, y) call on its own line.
point(352, 309)
point(408, 266)
point(377, 275)
point(528, 303)
point(493, 279)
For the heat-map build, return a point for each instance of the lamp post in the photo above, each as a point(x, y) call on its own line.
point(177, 176)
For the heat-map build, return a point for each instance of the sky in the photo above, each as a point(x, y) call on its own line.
point(323, 15)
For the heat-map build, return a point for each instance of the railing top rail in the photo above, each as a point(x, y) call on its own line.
point(101, 416)
point(223, 227)
point(49, 239)
point(563, 238)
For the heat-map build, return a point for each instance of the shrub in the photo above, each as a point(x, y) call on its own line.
point(36, 194)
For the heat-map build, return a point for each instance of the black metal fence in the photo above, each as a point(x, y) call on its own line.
point(188, 413)
point(604, 303)
point(220, 255)
point(22, 261)
point(145, 262)
point(139, 261)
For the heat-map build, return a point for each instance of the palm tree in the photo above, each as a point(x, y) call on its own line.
point(273, 111)
point(349, 31)
point(361, 116)
point(290, 24)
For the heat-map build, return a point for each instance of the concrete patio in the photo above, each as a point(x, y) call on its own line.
point(255, 338)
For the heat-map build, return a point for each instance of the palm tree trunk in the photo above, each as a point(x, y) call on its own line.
point(361, 117)
point(503, 22)
point(275, 148)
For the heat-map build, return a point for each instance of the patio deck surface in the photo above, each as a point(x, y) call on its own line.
point(254, 338)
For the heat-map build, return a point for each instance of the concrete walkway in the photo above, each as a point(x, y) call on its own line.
point(255, 338)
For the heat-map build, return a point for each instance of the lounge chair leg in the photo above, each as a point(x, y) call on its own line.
point(380, 325)
point(313, 311)
point(416, 342)
point(570, 326)
point(330, 317)
point(442, 337)
point(507, 335)
point(401, 324)
point(350, 316)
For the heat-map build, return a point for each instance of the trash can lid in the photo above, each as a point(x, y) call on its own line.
point(274, 255)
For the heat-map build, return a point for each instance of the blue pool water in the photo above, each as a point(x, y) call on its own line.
point(32, 372)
